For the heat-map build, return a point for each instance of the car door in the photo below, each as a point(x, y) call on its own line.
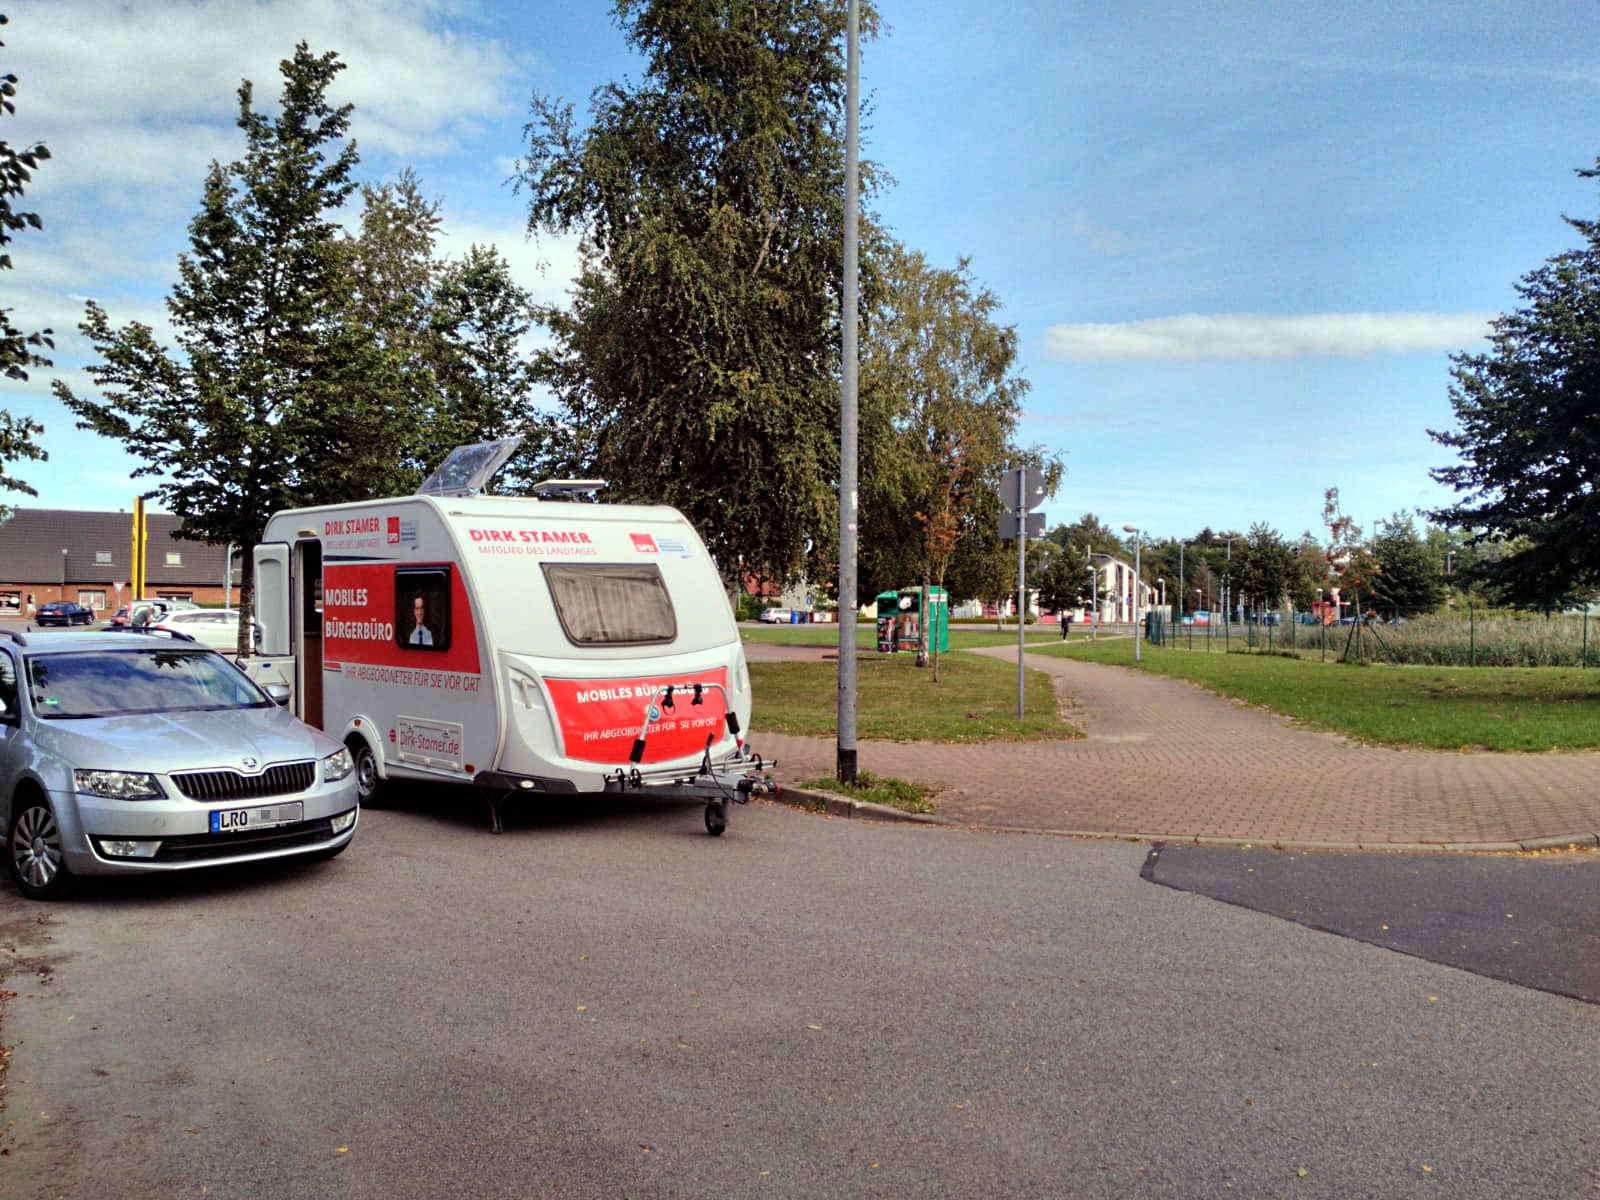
point(10, 734)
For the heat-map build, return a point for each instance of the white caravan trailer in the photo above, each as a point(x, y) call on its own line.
point(520, 645)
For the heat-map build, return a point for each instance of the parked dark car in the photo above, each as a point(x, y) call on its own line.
point(63, 612)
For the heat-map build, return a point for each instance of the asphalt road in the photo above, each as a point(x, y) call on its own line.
point(1527, 920)
point(608, 1003)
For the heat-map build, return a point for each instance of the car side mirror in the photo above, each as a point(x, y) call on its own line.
point(278, 693)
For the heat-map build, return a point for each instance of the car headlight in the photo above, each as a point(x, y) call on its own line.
point(117, 785)
point(337, 765)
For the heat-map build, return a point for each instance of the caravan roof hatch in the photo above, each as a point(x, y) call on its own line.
point(467, 469)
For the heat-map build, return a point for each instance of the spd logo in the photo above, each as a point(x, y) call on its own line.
point(644, 543)
point(394, 531)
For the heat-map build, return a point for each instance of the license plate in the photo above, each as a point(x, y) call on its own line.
point(239, 820)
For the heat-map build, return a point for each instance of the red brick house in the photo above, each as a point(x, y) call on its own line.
point(87, 557)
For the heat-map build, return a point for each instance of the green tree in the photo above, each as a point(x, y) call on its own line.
point(942, 369)
point(1410, 576)
point(441, 341)
point(1264, 569)
point(387, 327)
point(1527, 412)
point(1310, 580)
point(1065, 579)
point(1088, 531)
point(263, 405)
point(480, 318)
point(19, 351)
point(698, 362)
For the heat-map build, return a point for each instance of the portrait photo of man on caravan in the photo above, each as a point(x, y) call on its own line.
point(422, 608)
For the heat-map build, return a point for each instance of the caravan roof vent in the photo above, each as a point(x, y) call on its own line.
point(568, 489)
point(468, 468)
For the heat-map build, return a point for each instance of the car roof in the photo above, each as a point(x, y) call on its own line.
point(52, 643)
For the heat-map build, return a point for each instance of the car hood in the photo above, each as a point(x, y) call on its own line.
point(185, 741)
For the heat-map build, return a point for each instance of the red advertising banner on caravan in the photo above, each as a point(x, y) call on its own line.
point(599, 718)
point(416, 616)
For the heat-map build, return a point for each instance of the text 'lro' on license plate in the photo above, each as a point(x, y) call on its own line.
point(239, 820)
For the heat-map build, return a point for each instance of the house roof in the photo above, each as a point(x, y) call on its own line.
point(99, 548)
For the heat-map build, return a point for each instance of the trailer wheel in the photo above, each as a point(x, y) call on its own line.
point(716, 817)
point(370, 787)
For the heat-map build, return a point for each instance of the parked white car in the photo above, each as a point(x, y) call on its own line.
point(775, 616)
point(217, 628)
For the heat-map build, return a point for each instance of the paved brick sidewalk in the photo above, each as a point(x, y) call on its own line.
point(1168, 759)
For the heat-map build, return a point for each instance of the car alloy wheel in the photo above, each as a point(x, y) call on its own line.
point(37, 860)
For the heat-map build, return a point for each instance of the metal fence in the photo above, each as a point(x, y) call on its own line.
point(1462, 637)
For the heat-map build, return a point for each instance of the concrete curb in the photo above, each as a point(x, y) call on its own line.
point(842, 806)
point(834, 805)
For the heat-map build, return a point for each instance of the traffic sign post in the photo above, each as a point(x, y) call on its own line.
point(1012, 526)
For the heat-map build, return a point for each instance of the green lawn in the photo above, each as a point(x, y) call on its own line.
point(975, 700)
point(1445, 708)
point(879, 789)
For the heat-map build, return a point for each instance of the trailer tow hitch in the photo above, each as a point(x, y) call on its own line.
point(710, 781)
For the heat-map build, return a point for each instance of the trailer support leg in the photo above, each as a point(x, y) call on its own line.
point(495, 798)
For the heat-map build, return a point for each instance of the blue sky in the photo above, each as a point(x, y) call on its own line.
point(1238, 240)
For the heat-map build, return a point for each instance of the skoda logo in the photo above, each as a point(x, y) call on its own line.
point(248, 763)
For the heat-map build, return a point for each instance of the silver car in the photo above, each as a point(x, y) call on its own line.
point(127, 753)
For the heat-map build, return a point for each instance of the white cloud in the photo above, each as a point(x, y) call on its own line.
point(135, 100)
point(1097, 238)
point(545, 267)
point(136, 95)
point(1252, 336)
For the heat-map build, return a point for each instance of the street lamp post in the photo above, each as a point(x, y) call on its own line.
point(849, 418)
point(1227, 586)
point(1094, 595)
point(63, 572)
point(1138, 544)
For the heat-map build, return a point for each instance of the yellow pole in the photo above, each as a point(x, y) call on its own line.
point(141, 542)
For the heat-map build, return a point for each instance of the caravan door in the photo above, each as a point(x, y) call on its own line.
point(288, 605)
point(274, 659)
point(306, 610)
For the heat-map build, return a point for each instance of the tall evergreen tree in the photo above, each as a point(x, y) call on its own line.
point(1528, 434)
point(480, 319)
point(260, 406)
point(697, 364)
point(1410, 577)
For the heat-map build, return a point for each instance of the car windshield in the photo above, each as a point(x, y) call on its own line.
point(111, 683)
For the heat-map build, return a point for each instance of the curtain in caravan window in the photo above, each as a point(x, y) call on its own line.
point(611, 604)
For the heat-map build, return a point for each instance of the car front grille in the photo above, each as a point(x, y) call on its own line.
point(198, 847)
point(280, 779)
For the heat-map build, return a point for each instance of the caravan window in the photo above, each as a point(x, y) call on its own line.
point(422, 608)
point(603, 604)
